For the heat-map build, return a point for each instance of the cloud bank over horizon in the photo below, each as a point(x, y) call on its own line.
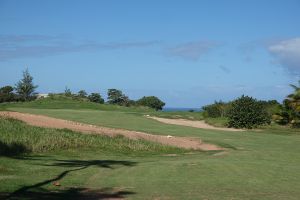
point(22, 46)
point(226, 48)
point(287, 53)
point(192, 51)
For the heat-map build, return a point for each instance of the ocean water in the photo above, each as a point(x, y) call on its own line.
point(170, 109)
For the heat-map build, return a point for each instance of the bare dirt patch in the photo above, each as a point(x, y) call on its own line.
point(195, 124)
point(49, 122)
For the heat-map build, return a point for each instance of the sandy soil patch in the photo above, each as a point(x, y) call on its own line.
point(195, 124)
point(49, 122)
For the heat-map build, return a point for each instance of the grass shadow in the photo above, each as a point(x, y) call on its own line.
point(71, 194)
point(87, 163)
point(13, 149)
point(222, 144)
point(37, 191)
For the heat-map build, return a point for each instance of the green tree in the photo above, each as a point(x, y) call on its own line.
point(82, 94)
point(96, 98)
point(25, 87)
point(247, 112)
point(217, 109)
point(151, 102)
point(68, 92)
point(292, 106)
point(6, 94)
point(271, 106)
point(115, 96)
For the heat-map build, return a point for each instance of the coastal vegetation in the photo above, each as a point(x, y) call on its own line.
point(243, 112)
point(134, 169)
point(70, 165)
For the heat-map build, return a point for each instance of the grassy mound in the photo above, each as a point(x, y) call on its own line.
point(71, 103)
point(62, 102)
point(17, 137)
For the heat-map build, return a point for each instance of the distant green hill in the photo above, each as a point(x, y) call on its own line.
point(71, 103)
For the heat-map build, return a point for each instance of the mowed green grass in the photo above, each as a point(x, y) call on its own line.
point(17, 137)
point(138, 122)
point(115, 119)
point(69, 103)
point(257, 164)
point(266, 167)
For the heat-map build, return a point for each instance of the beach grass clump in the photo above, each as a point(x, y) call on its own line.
point(17, 137)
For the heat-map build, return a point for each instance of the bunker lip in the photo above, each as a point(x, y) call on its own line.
point(50, 122)
point(190, 123)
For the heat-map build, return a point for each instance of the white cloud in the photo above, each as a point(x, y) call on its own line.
point(287, 53)
point(192, 50)
point(20, 46)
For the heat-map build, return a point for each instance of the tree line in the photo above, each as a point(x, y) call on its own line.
point(116, 97)
point(243, 112)
point(248, 112)
point(24, 90)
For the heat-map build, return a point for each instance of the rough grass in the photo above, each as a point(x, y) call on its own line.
point(61, 102)
point(262, 166)
point(257, 165)
point(17, 137)
point(217, 122)
point(179, 115)
point(70, 103)
point(272, 128)
point(113, 119)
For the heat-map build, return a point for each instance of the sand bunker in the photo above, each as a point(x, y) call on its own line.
point(49, 122)
point(195, 124)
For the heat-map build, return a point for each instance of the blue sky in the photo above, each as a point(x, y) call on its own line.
point(189, 53)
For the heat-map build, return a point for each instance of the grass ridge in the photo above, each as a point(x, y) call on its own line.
point(18, 137)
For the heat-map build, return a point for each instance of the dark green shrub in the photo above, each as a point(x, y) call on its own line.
point(292, 106)
point(115, 96)
point(151, 102)
point(289, 112)
point(247, 112)
point(271, 106)
point(68, 92)
point(217, 109)
point(131, 102)
point(82, 94)
point(281, 118)
point(25, 87)
point(6, 94)
point(96, 98)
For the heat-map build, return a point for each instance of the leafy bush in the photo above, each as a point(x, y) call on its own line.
point(115, 96)
point(6, 94)
point(282, 118)
point(217, 109)
point(247, 112)
point(290, 110)
point(271, 106)
point(292, 105)
point(151, 102)
point(68, 92)
point(25, 87)
point(82, 94)
point(96, 98)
